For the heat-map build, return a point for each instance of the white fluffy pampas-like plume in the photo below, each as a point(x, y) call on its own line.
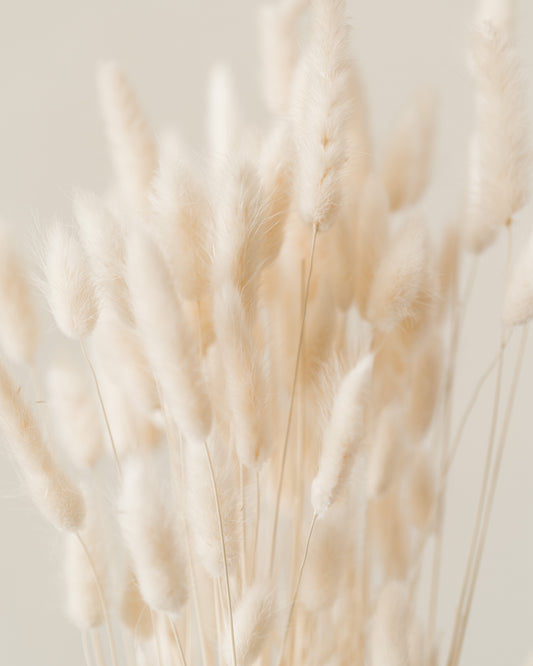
point(182, 221)
point(279, 50)
point(221, 326)
point(242, 225)
point(53, 493)
point(223, 116)
point(169, 344)
point(102, 237)
point(371, 236)
point(83, 596)
point(132, 146)
point(388, 638)
point(134, 612)
point(246, 379)
point(342, 436)
point(19, 324)
point(518, 304)
point(253, 617)
point(148, 525)
point(386, 452)
point(408, 153)
point(500, 158)
point(399, 278)
point(422, 490)
point(201, 507)
point(324, 110)
point(69, 287)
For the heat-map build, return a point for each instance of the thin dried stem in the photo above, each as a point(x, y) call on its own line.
point(492, 492)
point(469, 408)
point(97, 647)
point(243, 528)
point(156, 639)
point(257, 518)
point(485, 481)
point(104, 412)
point(178, 642)
point(291, 402)
point(460, 311)
point(102, 601)
point(297, 588)
point(85, 648)
point(223, 546)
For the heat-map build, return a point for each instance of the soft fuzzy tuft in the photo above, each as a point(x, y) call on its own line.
point(69, 286)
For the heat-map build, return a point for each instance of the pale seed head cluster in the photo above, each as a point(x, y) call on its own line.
point(247, 447)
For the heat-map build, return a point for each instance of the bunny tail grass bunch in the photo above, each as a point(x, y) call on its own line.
point(246, 440)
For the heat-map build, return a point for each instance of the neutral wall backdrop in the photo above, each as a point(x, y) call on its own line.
point(51, 140)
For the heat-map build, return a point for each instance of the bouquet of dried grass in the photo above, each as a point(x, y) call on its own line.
point(255, 425)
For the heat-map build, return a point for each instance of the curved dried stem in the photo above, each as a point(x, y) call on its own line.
point(102, 601)
point(491, 494)
point(484, 485)
point(104, 412)
point(178, 642)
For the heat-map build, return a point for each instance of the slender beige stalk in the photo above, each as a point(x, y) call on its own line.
point(178, 642)
point(104, 412)
point(223, 546)
point(97, 647)
point(85, 648)
point(102, 601)
point(155, 635)
point(459, 314)
point(297, 588)
point(291, 402)
point(468, 410)
point(491, 494)
point(257, 518)
point(243, 528)
point(485, 479)
point(194, 583)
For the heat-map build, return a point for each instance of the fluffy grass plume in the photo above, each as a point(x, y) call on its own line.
point(153, 543)
point(389, 627)
point(69, 285)
point(167, 339)
point(132, 146)
point(60, 500)
point(343, 435)
point(276, 327)
point(499, 183)
point(518, 304)
point(321, 136)
point(19, 323)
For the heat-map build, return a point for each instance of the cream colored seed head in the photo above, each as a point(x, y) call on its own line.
point(19, 323)
point(343, 435)
point(69, 285)
point(388, 639)
point(147, 526)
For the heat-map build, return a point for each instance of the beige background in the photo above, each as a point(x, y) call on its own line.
point(51, 140)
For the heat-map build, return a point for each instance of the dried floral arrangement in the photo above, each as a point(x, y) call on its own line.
point(248, 450)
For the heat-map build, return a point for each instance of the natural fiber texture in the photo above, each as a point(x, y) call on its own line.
point(271, 338)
